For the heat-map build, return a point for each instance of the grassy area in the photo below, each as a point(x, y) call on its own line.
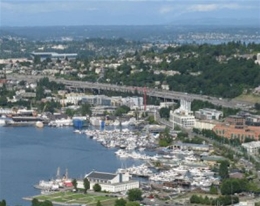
point(249, 98)
point(76, 198)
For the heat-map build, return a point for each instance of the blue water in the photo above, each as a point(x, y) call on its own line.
point(29, 154)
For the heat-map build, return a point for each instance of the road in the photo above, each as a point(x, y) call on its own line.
point(165, 94)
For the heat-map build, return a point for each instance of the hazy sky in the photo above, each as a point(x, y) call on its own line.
point(127, 12)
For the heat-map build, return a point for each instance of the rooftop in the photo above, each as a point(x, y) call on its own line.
point(101, 175)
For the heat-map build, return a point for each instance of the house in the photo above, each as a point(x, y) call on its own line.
point(111, 182)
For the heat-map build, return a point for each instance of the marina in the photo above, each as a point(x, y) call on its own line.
point(51, 148)
point(134, 153)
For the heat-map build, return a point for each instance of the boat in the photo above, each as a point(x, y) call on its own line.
point(77, 131)
point(2, 122)
point(61, 122)
point(79, 122)
point(116, 123)
point(39, 124)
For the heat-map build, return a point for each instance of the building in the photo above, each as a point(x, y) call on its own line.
point(183, 116)
point(203, 124)
point(235, 120)
point(237, 131)
point(133, 101)
point(191, 146)
point(212, 159)
point(76, 98)
point(208, 114)
point(54, 55)
point(253, 120)
point(167, 104)
point(97, 100)
point(101, 110)
point(257, 61)
point(111, 182)
point(252, 147)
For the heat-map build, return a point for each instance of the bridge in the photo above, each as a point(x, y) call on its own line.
point(159, 93)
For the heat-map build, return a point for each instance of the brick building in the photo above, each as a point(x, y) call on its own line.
point(237, 132)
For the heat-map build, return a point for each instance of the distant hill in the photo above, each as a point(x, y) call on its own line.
point(154, 33)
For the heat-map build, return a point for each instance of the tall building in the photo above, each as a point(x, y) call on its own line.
point(183, 116)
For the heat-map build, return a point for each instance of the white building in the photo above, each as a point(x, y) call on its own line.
point(166, 104)
point(133, 101)
point(75, 98)
point(252, 147)
point(202, 124)
point(183, 116)
point(257, 61)
point(111, 182)
point(208, 114)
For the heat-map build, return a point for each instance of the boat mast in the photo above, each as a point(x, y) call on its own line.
point(67, 174)
point(58, 173)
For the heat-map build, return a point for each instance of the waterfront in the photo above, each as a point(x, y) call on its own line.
point(28, 154)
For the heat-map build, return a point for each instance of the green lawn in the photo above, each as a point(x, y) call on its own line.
point(253, 98)
point(77, 198)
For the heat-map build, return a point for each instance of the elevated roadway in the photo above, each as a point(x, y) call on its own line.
point(164, 94)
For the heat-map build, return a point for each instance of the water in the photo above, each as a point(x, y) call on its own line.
point(29, 154)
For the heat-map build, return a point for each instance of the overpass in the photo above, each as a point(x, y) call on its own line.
point(159, 93)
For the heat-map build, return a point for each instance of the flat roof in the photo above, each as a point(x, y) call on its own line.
point(101, 175)
point(191, 145)
point(54, 54)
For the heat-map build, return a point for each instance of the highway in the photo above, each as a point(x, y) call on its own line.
point(164, 94)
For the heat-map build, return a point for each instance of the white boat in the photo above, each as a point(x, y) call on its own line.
point(2, 122)
point(61, 122)
point(77, 131)
point(116, 123)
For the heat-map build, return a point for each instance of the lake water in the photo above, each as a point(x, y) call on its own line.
point(29, 154)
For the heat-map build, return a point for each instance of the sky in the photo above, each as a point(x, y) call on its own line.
point(128, 12)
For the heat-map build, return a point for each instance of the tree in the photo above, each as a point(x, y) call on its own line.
point(86, 185)
point(195, 199)
point(165, 138)
point(231, 186)
point(3, 101)
point(134, 194)
point(213, 190)
point(75, 183)
point(120, 202)
point(37, 60)
point(122, 110)
point(70, 112)
point(99, 203)
point(46, 203)
point(35, 202)
point(165, 112)
point(97, 187)
point(223, 169)
point(3, 203)
point(39, 93)
point(85, 109)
